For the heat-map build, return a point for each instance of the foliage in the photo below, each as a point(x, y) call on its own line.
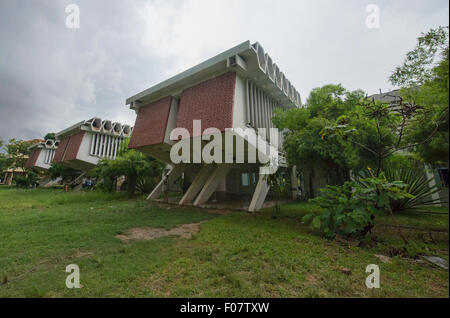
point(50, 136)
point(424, 79)
point(350, 209)
point(17, 152)
point(418, 65)
point(304, 144)
point(276, 182)
point(141, 171)
point(376, 128)
point(339, 131)
point(67, 174)
point(4, 163)
point(27, 180)
point(417, 185)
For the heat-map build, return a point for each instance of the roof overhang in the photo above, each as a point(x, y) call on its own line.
point(97, 125)
point(249, 61)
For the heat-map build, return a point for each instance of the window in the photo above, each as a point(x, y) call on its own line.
point(245, 179)
point(443, 174)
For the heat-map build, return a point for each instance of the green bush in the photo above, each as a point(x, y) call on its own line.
point(26, 181)
point(141, 171)
point(349, 210)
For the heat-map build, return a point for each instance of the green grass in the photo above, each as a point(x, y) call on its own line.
point(233, 255)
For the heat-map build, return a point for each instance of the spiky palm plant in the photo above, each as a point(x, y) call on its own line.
point(418, 186)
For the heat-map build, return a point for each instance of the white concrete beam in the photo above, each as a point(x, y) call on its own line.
point(173, 175)
point(197, 184)
point(432, 183)
point(214, 180)
point(259, 196)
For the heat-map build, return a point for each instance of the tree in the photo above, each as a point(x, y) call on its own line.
point(3, 164)
point(305, 144)
point(140, 170)
point(376, 128)
point(418, 67)
point(3, 160)
point(50, 136)
point(18, 152)
point(424, 81)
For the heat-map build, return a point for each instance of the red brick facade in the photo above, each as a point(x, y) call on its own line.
point(68, 147)
point(151, 123)
point(211, 101)
point(32, 158)
point(59, 154)
point(74, 146)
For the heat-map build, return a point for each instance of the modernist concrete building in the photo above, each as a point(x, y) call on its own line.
point(238, 89)
point(82, 145)
point(41, 154)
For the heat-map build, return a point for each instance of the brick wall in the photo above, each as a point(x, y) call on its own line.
point(32, 158)
point(68, 147)
point(61, 150)
point(74, 146)
point(211, 101)
point(151, 123)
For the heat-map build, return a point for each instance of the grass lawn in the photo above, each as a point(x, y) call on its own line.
point(233, 255)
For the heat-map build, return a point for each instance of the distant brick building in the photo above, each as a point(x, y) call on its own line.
point(83, 144)
point(41, 154)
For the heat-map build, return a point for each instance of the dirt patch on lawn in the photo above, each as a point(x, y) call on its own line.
point(82, 254)
point(150, 233)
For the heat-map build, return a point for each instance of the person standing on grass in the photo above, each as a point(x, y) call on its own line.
point(84, 183)
point(89, 183)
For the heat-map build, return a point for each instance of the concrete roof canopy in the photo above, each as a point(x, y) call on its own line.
point(249, 61)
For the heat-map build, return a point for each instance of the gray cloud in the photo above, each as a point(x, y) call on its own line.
point(51, 76)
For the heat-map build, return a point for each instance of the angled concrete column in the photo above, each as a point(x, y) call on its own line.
point(259, 196)
point(197, 184)
point(214, 179)
point(432, 183)
point(173, 175)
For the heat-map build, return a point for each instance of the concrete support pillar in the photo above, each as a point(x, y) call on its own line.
point(173, 175)
point(259, 196)
point(432, 183)
point(199, 180)
point(294, 182)
point(214, 179)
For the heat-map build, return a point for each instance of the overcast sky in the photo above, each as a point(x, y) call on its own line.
point(52, 76)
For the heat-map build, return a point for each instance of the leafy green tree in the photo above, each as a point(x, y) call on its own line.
point(307, 146)
point(3, 159)
point(18, 152)
point(140, 170)
point(424, 81)
point(3, 164)
point(376, 128)
point(50, 136)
